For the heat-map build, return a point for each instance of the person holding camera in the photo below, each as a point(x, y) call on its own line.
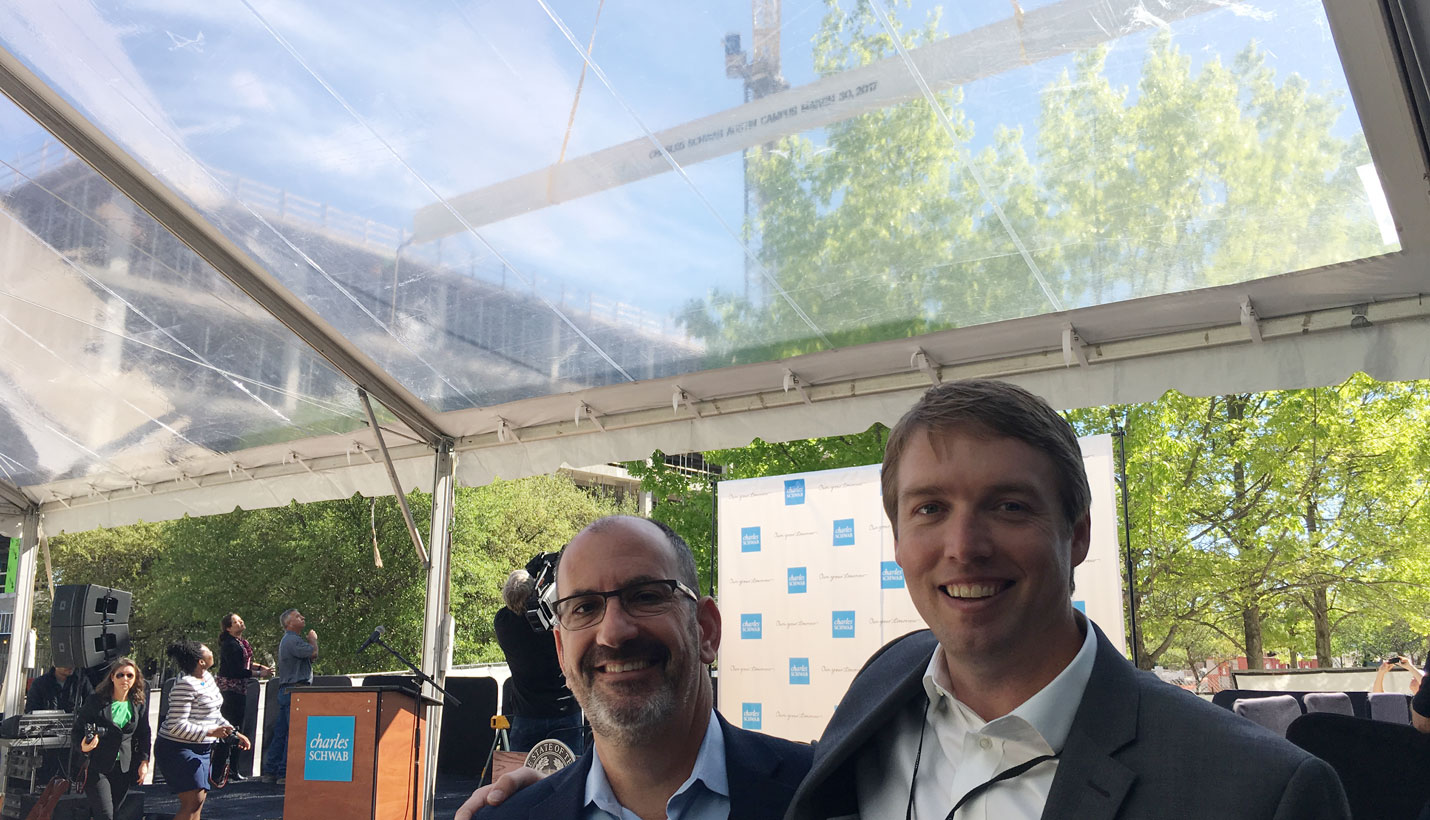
point(541, 706)
point(111, 729)
point(1391, 664)
point(193, 724)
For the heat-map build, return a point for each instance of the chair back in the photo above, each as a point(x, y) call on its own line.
point(1391, 707)
point(1337, 703)
point(1381, 765)
point(1275, 712)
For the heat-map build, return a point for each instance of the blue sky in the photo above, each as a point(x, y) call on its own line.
point(447, 96)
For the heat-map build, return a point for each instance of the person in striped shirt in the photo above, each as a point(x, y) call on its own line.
point(193, 723)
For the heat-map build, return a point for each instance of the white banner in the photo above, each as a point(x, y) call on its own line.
point(809, 588)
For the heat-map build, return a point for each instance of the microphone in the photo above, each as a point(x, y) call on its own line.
point(373, 638)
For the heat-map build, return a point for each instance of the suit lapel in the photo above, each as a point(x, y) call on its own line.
point(1090, 784)
point(569, 798)
point(888, 693)
point(750, 768)
point(888, 682)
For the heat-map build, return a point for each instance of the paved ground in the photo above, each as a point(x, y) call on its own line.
point(253, 800)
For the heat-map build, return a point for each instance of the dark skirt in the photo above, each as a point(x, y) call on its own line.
point(185, 766)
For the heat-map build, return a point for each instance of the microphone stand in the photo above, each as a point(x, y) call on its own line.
point(422, 677)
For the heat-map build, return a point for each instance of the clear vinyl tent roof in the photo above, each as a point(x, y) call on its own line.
point(576, 231)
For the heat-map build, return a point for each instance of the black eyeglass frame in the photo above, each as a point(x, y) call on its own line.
point(675, 586)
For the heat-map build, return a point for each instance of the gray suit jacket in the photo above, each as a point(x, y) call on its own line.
point(1138, 748)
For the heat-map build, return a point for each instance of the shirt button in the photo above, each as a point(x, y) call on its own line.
point(985, 743)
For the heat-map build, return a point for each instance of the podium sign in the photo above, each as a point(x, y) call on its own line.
point(355, 752)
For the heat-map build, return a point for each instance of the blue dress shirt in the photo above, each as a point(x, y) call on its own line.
point(705, 795)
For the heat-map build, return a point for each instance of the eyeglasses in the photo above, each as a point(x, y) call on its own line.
point(642, 600)
point(123, 674)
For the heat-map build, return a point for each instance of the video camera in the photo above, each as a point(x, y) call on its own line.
point(539, 611)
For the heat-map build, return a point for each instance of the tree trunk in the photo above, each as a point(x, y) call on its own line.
point(1321, 613)
point(1320, 597)
point(1251, 626)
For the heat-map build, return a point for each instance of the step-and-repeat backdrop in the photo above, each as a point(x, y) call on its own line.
point(809, 588)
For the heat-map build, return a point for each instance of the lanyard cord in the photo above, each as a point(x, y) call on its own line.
point(1006, 774)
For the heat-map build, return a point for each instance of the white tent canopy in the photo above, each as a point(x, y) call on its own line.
point(574, 231)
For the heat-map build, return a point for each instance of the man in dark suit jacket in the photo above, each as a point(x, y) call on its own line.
point(634, 637)
point(1014, 704)
point(1137, 748)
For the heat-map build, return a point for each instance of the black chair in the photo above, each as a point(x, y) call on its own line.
point(1382, 765)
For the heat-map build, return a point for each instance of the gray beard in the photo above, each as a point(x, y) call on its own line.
point(630, 721)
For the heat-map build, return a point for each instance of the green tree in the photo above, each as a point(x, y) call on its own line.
point(185, 575)
point(683, 498)
point(893, 224)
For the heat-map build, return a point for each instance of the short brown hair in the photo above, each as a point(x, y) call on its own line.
point(1005, 410)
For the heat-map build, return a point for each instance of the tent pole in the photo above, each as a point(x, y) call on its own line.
point(437, 622)
point(396, 485)
point(14, 685)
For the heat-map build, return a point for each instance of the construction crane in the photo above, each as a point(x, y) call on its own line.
point(761, 73)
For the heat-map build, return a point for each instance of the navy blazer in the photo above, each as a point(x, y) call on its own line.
point(763, 772)
point(128, 746)
point(1138, 748)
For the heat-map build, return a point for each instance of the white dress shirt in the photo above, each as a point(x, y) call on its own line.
point(962, 751)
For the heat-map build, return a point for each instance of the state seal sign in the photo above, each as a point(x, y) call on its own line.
point(549, 756)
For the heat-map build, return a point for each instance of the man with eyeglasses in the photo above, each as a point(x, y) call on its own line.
point(635, 637)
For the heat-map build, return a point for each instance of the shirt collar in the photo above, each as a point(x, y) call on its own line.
point(709, 772)
point(1050, 711)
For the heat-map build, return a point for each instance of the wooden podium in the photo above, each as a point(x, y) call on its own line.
point(355, 752)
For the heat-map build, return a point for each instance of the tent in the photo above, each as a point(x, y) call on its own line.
point(567, 231)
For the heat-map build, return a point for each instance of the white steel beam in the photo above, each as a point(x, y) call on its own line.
point(170, 210)
point(13, 694)
point(437, 620)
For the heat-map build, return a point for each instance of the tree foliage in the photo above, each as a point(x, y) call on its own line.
point(905, 219)
point(185, 575)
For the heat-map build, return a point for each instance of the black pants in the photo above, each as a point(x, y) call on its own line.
point(234, 710)
point(105, 792)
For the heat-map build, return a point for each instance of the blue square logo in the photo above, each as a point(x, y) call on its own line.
point(751, 627)
point(799, 671)
point(749, 539)
point(750, 717)
point(798, 580)
point(843, 623)
point(891, 575)
point(328, 754)
point(1080, 606)
point(844, 532)
point(794, 491)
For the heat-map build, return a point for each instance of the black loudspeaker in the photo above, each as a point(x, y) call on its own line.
point(88, 605)
point(467, 729)
point(88, 646)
